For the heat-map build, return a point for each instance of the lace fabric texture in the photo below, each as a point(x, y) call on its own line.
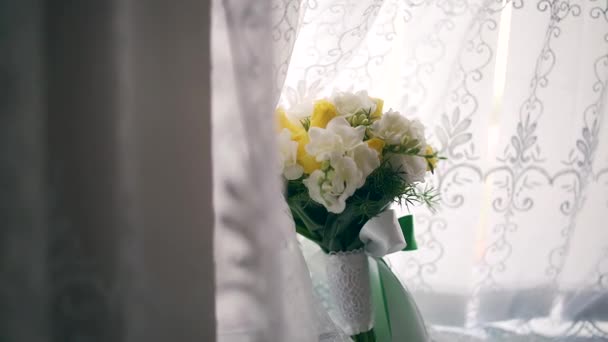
point(349, 286)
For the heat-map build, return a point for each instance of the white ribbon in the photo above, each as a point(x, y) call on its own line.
point(382, 235)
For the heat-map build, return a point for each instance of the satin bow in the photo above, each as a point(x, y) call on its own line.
point(385, 234)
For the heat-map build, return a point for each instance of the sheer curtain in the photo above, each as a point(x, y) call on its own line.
point(514, 95)
point(263, 287)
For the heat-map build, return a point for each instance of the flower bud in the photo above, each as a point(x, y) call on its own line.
point(325, 165)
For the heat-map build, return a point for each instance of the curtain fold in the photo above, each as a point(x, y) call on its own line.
point(263, 289)
point(165, 156)
point(23, 201)
point(106, 215)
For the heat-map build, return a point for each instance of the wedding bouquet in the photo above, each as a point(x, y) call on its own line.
point(345, 161)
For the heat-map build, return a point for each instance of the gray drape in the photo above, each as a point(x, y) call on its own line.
point(105, 176)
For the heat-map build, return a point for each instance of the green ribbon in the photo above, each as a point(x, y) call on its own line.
point(382, 322)
point(400, 321)
point(407, 227)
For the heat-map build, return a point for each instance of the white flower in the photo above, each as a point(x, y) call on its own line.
point(413, 168)
point(348, 104)
point(393, 127)
point(333, 187)
point(336, 139)
point(348, 163)
point(288, 151)
point(417, 132)
point(340, 139)
point(366, 159)
point(300, 110)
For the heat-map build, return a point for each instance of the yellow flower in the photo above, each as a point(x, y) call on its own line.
point(378, 113)
point(322, 113)
point(376, 144)
point(432, 161)
point(284, 122)
point(308, 162)
point(299, 135)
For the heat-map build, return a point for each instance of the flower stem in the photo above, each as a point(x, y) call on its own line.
point(368, 336)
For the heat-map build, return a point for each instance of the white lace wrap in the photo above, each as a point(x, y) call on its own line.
point(349, 286)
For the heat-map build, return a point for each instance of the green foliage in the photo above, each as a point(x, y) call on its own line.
point(408, 147)
point(340, 232)
point(368, 336)
point(306, 123)
point(362, 118)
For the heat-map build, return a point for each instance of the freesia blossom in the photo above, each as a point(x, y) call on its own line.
point(417, 131)
point(348, 104)
point(288, 152)
point(348, 162)
point(332, 187)
point(299, 135)
point(393, 127)
point(300, 110)
point(413, 168)
point(337, 138)
point(323, 112)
